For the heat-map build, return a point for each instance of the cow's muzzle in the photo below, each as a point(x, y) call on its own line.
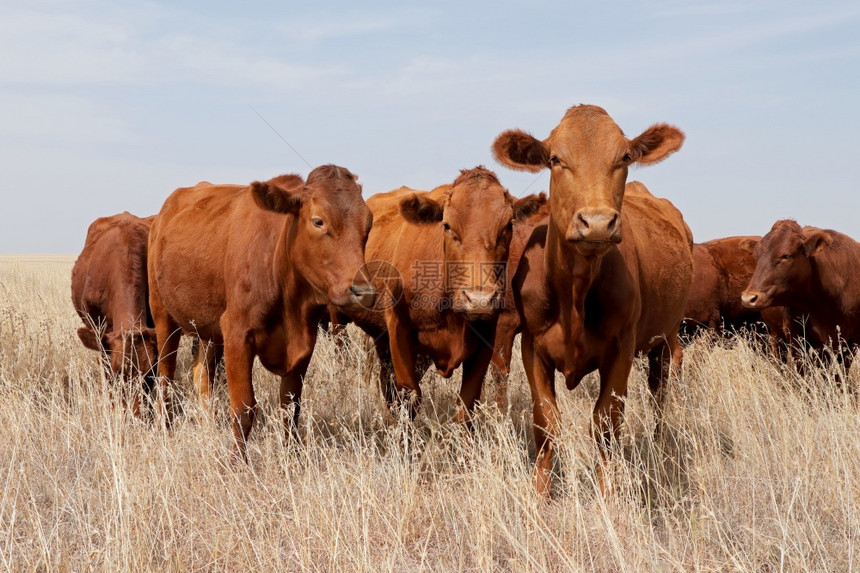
point(479, 304)
point(595, 228)
point(363, 295)
point(754, 299)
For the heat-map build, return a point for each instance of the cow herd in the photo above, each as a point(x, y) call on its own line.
point(596, 274)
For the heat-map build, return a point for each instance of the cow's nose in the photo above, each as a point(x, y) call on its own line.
point(595, 225)
point(481, 301)
point(365, 294)
point(750, 298)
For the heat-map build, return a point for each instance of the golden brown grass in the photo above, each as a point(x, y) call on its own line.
point(756, 469)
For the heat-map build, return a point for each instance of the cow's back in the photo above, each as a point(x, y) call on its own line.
point(706, 292)
point(657, 247)
point(413, 249)
point(392, 238)
point(736, 265)
point(109, 276)
point(197, 229)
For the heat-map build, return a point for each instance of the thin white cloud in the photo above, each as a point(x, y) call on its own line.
point(753, 31)
point(711, 8)
point(324, 27)
point(59, 120)
point(127, 48)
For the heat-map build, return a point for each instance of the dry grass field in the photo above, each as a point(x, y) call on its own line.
point(757, 469)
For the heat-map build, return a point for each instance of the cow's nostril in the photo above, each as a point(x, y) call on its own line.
point(362, 290)
point(613, 222)
point(750, 298)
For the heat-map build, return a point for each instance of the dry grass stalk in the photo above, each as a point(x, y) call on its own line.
point(757, 469)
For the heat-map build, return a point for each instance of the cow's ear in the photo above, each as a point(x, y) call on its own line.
point(815, 241)
point(90, 339)
point(114, 341)
point(528, 206)
point(748, 245)
point(421, 209)
point(273, 197)
point(148, 334)
point(519, 150)
point(656, 144)
point(288, 182)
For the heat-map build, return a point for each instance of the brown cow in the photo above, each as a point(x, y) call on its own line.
point(722, 269)
point(253, 268)
point(589, 300)
point(444, 252)
point(509, 324)
point(812, 273)
point(110, 294)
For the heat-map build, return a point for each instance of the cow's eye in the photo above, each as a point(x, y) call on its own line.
point(554, 160)
point(445, 226)
point(318, 223)
point(785, 257)
point(626, 158)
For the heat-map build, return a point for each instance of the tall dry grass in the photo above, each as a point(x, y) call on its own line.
point(756, 469)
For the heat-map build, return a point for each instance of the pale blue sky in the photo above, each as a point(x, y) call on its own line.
point(109, 106)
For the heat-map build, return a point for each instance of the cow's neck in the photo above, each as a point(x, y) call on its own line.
point(833, 275)
point(570, 275)
point(297, 293)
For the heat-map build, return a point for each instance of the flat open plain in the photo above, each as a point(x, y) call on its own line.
point(757, 469)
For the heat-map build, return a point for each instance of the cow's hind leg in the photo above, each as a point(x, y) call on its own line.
point(206, 357)
point(167, 336)
point(664, 361)
point(386, 370)
point(500, 367)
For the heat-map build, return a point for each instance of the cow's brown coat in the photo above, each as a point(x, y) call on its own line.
point(110, 294)
point(253, 267)
point(722, 269)
point(812, 273)
point(509, 324)
point(590, 300)
point(464, 225)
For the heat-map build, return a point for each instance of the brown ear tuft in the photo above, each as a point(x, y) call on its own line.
point(517, 149)
point(529, 206)
point(748, 244)
point(287, 182)
point(272, 197)
point(421, 210)
point(656, 144)
point(816, 241)
point(90, 338)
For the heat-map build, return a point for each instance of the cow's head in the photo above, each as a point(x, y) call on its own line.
point(327, 239)
point(783, 264)
point(475, 215)
point(588, 158)
point(128, 352)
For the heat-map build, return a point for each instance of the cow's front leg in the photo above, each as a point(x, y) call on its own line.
point(301, 339)
point(238, 360)
point(475, 370)
point(404, 359)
